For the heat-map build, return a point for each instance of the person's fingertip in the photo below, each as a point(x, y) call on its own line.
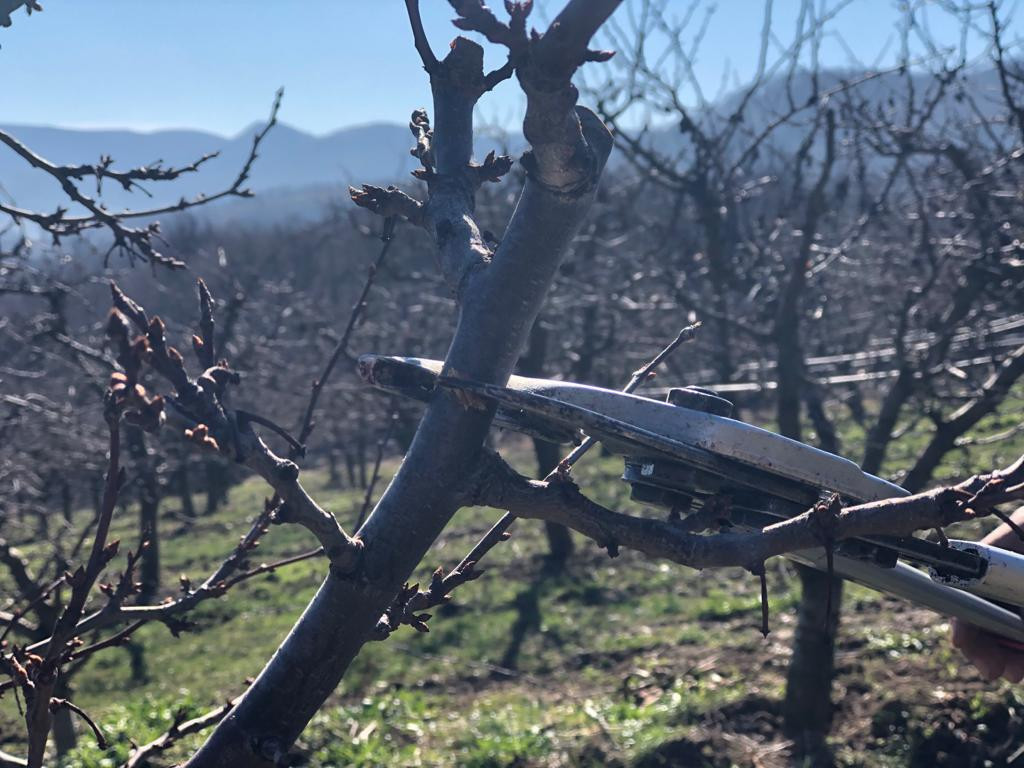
point(1014, 670)
point(956, 633)
point(984, 665)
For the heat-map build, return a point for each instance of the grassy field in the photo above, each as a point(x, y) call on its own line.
point(612, 662)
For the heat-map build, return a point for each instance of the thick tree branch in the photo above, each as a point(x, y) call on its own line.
point(498, 303)
point(7, 7)
point(411, 601)
point(993, 391)
point(496, 484)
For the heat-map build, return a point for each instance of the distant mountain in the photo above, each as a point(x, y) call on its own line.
point(288, 158)
point(297, 173)
point(780, 102)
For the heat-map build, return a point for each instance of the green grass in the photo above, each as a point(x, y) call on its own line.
point(631, 662)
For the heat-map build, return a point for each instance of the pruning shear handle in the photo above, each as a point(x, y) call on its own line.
point(1000, 580)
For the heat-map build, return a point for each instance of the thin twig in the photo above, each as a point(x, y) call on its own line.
point(216, 585)
point(179, 728)
point(419, 37)
point(1007, 520)
point(110, 642)
point(381, 444)
point(17, 616)
point(271, 567)
point(387, 237)
point(764, 601)
point(137, 241)
point(298, 449)
point(56, 704)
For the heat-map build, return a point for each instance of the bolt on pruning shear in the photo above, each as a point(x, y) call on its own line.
point(685, 451)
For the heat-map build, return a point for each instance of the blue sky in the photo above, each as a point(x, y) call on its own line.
point(214, 64)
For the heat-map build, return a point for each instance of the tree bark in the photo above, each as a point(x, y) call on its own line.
point(64, 738)
point(498, 303)
point(149, 513)
point(217, 485)
point(946, 434)
point(188, 507)
point(808, 708)
point(548, 454)
point(560, 545)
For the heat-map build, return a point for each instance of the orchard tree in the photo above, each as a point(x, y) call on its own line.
point(498, 283)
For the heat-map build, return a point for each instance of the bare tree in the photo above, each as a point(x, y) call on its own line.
point(790, 200)
point(748, 245)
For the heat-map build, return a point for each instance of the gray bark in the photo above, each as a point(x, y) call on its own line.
point(149, 508)
point(808, 708)
point(498, 303)
point(548, 454)
point(64, 739)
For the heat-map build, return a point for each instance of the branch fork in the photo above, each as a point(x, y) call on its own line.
point(202, 407)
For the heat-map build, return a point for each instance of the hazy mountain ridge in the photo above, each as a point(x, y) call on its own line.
point(298, 173)
point(288, 158)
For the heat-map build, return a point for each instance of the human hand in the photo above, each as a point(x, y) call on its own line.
point(993, 658)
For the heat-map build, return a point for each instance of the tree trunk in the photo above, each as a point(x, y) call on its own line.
point(137, 661)
point(808, 708)
point(364, 479)
point(188, 508)
point(350, 468)
point(560, 545)
point(149, 511)
point(149, 567)
point(66, 500)
point(498, 303)
point(64, 737)
point(548, 454)
point(217, 485)
point(361, 448)
point(333, 471)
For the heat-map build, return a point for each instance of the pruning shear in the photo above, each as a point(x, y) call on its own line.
point(683, 452)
